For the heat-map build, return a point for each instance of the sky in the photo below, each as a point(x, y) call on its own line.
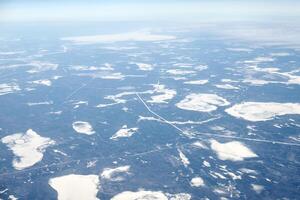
point(138, 10)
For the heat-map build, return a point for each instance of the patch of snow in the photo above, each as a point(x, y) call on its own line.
point(12, 197)
point(28, 148)
point(185, 161)
point(40, 103)
point(280, 54)
point(41, 66)
point(150, 195)
point(113, 76)
point(197, 182)
point(262, 111)
point(144, 66)
point(112, 173)
point(76, 187)
point(8, 88)
point(124, 132)
point(45, 82)
point(234, 151)
point(257, 188)
point(164, 94)
point(227, 87)
point(239, 49)
point(180, 72)
point(202, 102)
point(83, 127)
point(206, 164)
point(196, 82)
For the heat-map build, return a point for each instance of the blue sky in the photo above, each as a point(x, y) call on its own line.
point(133, 10)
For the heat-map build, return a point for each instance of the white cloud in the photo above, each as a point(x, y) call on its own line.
point(138, 36)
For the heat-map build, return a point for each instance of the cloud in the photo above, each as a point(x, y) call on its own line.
point(139, 36)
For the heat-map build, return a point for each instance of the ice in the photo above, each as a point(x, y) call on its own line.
point(202, 102)
point(124, 132)
point(76, 187)
point(262, 111)
point(197, 182)
point(83, 127)
point(28, 148)
point(113, 174)
point(234, 151)
point(7, 88)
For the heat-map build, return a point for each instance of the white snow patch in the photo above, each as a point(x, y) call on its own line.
point(60, 152)
point(9, 53)
point(291, 77)
point(179, 196)
point(201, 67)
point(202, 102)
point(40, 103)
point(112, 173)
point(196, 82)
point(226, 80)
point(45, 82)
point(77, 104)
point(206, 163)
point(8, 88)
point(197, 182)
point(3, 191)
point(258, 82)
point(164, 94)
point(257, 188)
point(76, 187)
point(124, 132)
point(260, 60)
point(227, 87)
point(248, 171)
point(84, 68)
point(107, 67)
point(180, 72)
point(83, 127)
point(117, 99)
point(39, 66)
point(142, 118)
point(113, 76)
point(12, 197)
point(150, 195)
point(280, 54)
point(28, 148)
point(239, 49)
point(234, 151)
point(199, 144)
point(262, 111)
point(91, 163)
point(144, 66)
point(185, 161)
